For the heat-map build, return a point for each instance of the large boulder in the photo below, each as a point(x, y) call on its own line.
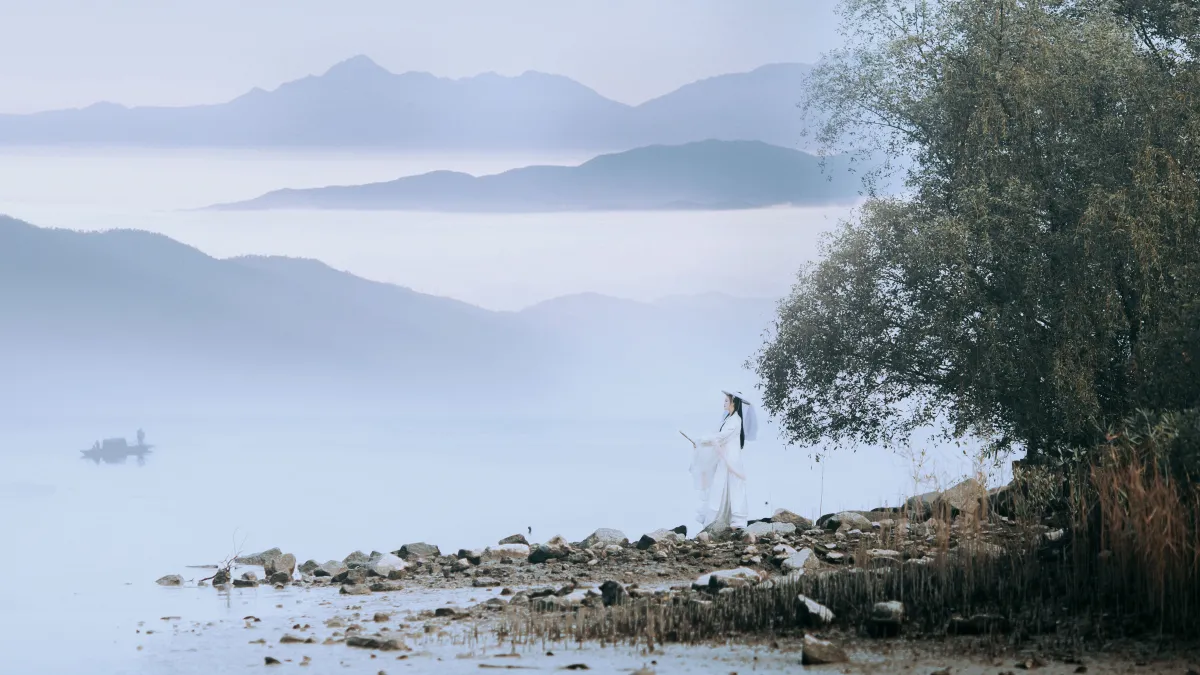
point(606, 537)
point(819, 652)
point(418, 550)
point(741, 576)
point(356, 559)
point(329, 569)
point(785, 516)
point(507, 552)
point(658, 537)
point(800, 562)
point(761, 529)
point(514, 539)
point(356, 575)
point(386, 565)
point(259, 558)
point(309, 566)
point(285, 563)
point(613, 593)
point(473, 556)
point(813, 613)
point(544, 552)
point(886, 618)
point(967, 498)
point(921, 507)
point(845, 520)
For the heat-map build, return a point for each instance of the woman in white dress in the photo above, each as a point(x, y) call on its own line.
point(717, 466)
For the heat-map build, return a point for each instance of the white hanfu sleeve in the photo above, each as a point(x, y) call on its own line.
point(721, 438)
point(710, 452)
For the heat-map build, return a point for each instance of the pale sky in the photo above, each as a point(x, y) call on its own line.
point(68, 53)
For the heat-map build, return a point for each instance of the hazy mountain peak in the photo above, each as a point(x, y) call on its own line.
point(360, 65)
point(358, 103)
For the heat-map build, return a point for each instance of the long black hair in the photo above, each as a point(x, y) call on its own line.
point(737, 410)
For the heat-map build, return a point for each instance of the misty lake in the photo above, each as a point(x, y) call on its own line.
point(84, 542)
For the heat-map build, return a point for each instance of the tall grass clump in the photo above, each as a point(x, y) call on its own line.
point(1137, 516)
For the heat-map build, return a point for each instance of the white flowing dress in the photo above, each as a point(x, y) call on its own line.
point(719, 476)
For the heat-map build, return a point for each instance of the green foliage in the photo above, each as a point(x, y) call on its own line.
point(1040, 279)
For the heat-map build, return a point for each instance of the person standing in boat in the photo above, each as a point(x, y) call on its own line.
point(717, 468)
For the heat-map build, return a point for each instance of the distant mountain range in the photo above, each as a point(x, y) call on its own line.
point(132, 321)
point(358, 104)
point(702, 175)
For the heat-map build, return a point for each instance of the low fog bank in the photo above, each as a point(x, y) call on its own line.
point(123, 324)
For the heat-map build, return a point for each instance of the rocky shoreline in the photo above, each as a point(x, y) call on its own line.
point(944, 565)
point(666, 569)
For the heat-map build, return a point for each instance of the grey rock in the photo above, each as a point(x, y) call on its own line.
point(355, 589)
point(761, 529)
point(800, 562)
point(819, 652)
point(329, 569)
point(544, 552)
point(309, 567)
point(967, 497)
point(681, 531)
point(606, 537)
point(613, 593)
point(485, 582)
point(384, 643)
point(386, 564)
point(418, 550)
point(471, 555)
point(507, 552)
point(886, 618)
point(658, 537)
point(259, 558)
point(357, 575)
point(170, 580)
point(742, 576)
point(921, 507)
point(245, 583)
point(847, 520)
point(285, 563)
point(785, 516)
point(355, 559)
point(514, 539)
point(815, 615)
point(979, 624)
point(386, 587)
point(280, 578)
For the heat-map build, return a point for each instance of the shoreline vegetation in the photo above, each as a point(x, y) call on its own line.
point(1051, 567)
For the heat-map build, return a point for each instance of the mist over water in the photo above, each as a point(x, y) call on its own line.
point(85, 542)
